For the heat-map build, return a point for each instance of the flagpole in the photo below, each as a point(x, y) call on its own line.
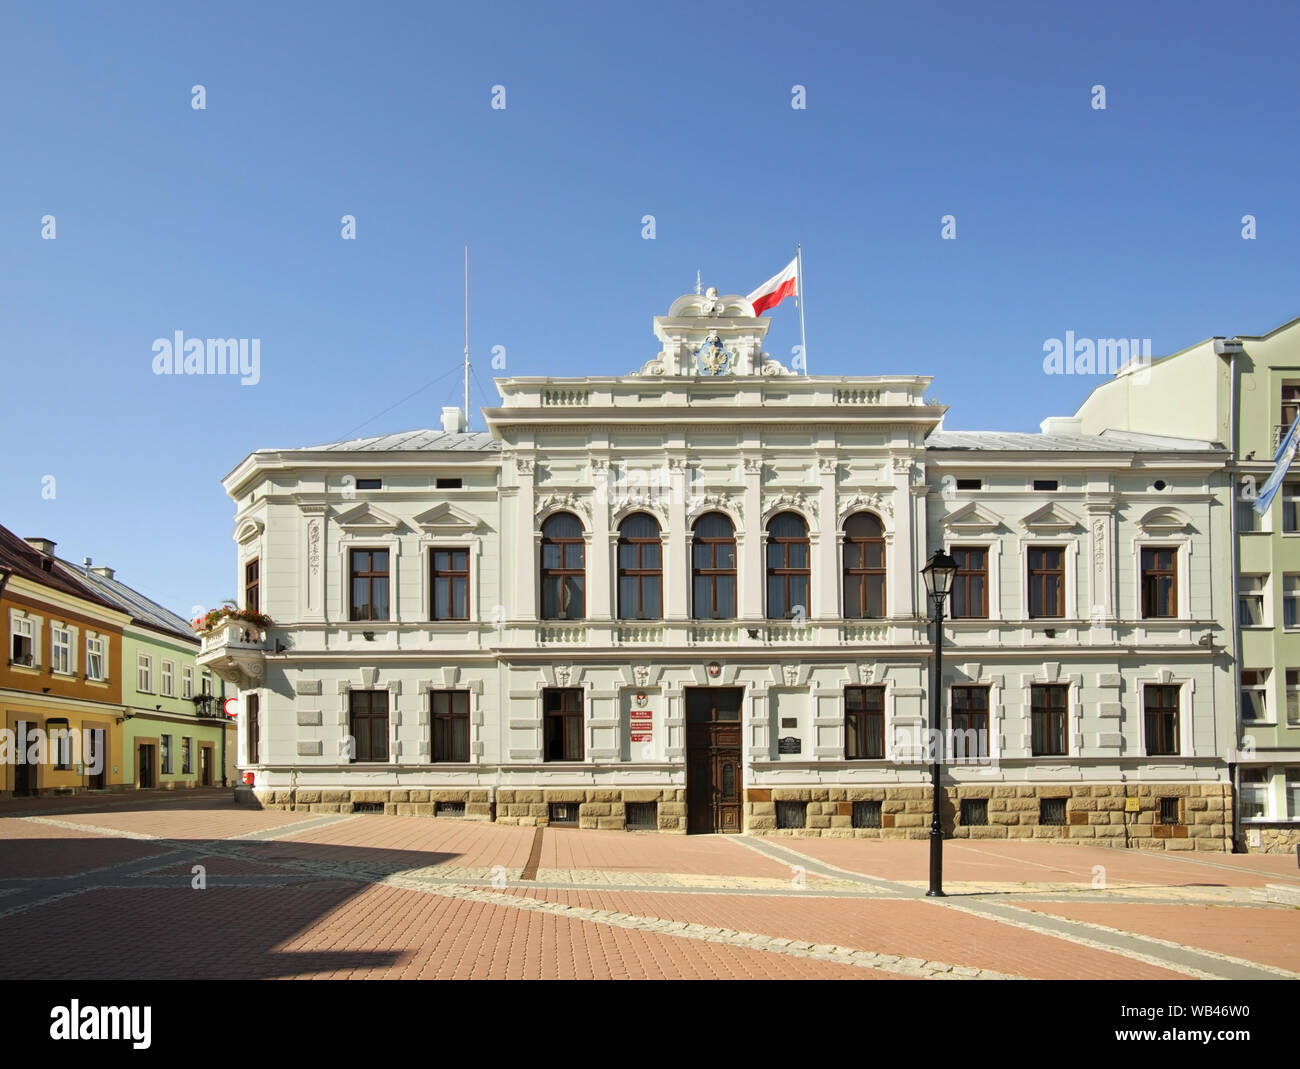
point(467, 337)
point(803, 339)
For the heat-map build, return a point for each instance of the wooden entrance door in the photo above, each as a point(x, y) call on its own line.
point(713, 769)
point(96, 756)
point(205, 764)
point(145, 766)
point(24, 773)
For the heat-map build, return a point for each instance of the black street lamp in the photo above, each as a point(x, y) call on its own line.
point(938, 574)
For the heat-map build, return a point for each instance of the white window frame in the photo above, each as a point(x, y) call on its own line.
point(1183, 545)
point(1261, 593)
point(992, 547)
point(1291, 775)
point(1070, 546)
point(167, 679)
point(1262, 791)
point(1284, 497)
point(1073, 713)
point(144, 673)
point(1291, 591)
point(390, 542)
point(1291, 690)
point(1186, 694)
point(187, 681)
point(207, 683)
point(97, 646)
point(63, 638)
point(1261, 688)
point(473, 545)
point(26, 624)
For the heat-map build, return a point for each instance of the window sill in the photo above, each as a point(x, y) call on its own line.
point(96, 682)
point(64, 675)
point(29, 669)
point(1258, 723)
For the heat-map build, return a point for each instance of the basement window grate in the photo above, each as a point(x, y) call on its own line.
point(791, 814)
point(449, 809)
point(642, 816)
point(1051, 811)
point(563, 812)
point(974, 812)
point(866, 814)
point(367, 807)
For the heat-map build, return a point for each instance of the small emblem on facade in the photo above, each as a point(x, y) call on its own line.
point(713, 358)
point(715, 669)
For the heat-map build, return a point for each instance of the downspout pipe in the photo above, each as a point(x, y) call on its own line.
point(1232, 348)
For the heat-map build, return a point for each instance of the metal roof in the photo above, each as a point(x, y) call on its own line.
point(1107, 442)
point(409, 442)
point(143, 610)
point(18, 558)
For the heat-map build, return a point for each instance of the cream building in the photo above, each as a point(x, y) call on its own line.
point(688, 599)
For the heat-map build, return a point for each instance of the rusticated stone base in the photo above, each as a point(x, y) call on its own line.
point(603, 808)
point(1093, 814)
point(396, 803)
point(1273, 838)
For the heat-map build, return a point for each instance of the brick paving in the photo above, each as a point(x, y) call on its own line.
point(312, 895)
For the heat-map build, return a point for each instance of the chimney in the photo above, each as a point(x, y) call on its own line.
point(86, 562)
point(453, 421)
point(107, 573)
point(42, 545)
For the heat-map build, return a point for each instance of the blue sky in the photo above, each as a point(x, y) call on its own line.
point(225, 222)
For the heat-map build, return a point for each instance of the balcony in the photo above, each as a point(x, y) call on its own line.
point(235, 650)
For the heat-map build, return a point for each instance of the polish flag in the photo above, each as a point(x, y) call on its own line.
point(776, 289)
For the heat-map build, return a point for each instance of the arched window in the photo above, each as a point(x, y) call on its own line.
point(563, 568)
point(787, 566)
point(713, 568)
point(864, 567)
point(640, 569)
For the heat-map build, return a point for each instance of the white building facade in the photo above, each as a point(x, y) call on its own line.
point(688, 599)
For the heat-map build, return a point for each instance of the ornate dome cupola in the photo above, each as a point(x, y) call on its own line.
point(708, 336)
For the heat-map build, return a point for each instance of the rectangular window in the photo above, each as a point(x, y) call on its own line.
point(450, 725)
point(187, 758)
point(1047, 583)
point(252, 712)
point(1291, 601)
point(23, 642)
point(641, 816)
point(970, 586)
point(1291, 508)
point(1048, 710)
point(1046, 484)
point(791, 814)
point(449, 593)
point(370, 484)
point(187, 682)
point(1160, 705)
point(449, 483)
point(562, 724)
point(1290, 405)
point(970, 484)
point(369, 721)
point(207, 682)
point(144, 673)
point(369, 574)
point(1159, 584)
point(866, 814)
point(1293, 793)
point(165, 752)
point(169, 678)
point(1252, 801)
point(60, 649)
point(1171, 811)
point(974, 812)
point(252, 596)
point(1051, 811)
point(1293, 696)
point(1254, 694)
point(1250, 600)
point(969, 723)
point(1247, 518)
point(864, 723)
point(95, 660)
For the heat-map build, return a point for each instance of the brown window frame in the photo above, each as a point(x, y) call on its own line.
point(252, 711)
point(371, 576)
point(564, 572)
point(1161, 718)
point(448, 575)
point(1151, 574)
point(1045, 710)
point(448, 717)
point(864, 723)
point(252, 585)
point(784, 574)
point(967, 715)
point(1037, 583)
point(711, 573)
point(639, 574)
point(860, 575)
point(965, 576)
point(371, 715)
point(570, 706)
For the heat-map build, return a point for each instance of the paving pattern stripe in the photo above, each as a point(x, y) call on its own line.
point(1190, 961)
point(534, 856)
point(1228, 959)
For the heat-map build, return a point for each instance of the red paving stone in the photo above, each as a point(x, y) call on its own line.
point(52, 851)
point(1028, 862)
point(417, 840)
point(718, 855)
point(1270, 936)
point(908, 929)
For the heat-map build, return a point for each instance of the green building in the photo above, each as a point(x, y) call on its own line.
point(1243, 393)
point(175, 732)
